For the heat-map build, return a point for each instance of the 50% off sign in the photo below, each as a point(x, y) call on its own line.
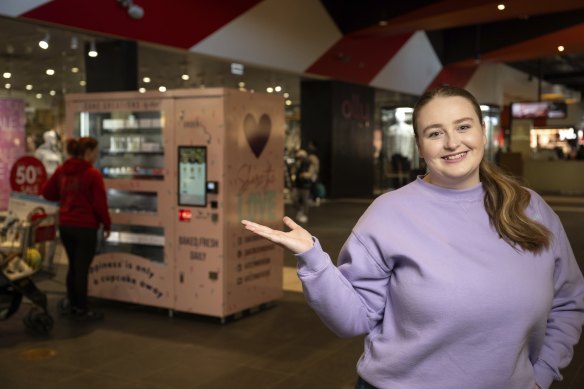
point(28, 175)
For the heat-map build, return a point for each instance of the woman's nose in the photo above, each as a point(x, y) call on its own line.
point(452, 141)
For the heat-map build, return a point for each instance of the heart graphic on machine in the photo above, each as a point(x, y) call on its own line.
point(257, 133)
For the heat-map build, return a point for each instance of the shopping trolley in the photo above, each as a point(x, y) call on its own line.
point(22, 253)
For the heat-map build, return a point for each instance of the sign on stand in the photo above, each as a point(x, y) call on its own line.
point(28, 175)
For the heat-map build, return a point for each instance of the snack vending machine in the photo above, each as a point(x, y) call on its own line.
point(182, 168)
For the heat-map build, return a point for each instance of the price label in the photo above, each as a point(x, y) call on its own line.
point(28, 175)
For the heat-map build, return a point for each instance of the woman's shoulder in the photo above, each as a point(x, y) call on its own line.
point(539, 210)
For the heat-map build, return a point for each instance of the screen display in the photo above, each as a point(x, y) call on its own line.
point(539, 109)
point(192, 176)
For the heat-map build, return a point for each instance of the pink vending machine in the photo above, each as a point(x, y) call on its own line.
point(182, 168)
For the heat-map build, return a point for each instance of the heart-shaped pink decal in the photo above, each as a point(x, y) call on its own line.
point(257, 134)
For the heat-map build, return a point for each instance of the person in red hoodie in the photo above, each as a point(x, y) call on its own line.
point(80, 190)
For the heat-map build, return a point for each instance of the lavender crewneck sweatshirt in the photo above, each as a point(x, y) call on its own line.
point(444, 301)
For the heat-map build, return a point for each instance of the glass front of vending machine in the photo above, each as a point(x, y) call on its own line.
point(130, 148)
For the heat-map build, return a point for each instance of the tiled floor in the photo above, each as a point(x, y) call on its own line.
point(285, 346)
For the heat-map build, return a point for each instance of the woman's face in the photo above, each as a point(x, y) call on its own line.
point(451, 139)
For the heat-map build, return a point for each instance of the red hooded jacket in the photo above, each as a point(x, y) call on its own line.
point(79, 188)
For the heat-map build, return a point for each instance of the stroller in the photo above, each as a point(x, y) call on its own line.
point(22, 244)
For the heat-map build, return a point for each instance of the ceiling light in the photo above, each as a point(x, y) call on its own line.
point(501, 7)
point(7, 86)
point(52, 93)
point(134, 11)
point(288, 102)
point(278, 88)
point(74, 69)
point(146, 80)
point(286, 95)
point(92, 50)
point(82, 82)
point(185, 77)
point(241, 84)
point(7, 74)
point(269, 89)
point(50, 72)
point(28, 87)
point(39, 96)
point(44, 43)
point(561, 48)
point(142, 90)
point(162, 88)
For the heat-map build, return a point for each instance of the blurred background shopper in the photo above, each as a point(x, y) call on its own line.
point(460, 279)
point(80, 190)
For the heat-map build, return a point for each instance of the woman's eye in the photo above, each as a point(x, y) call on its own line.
point(464, 127)
point(433, 134)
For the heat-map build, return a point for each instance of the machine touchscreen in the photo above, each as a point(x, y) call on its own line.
point(192, 176)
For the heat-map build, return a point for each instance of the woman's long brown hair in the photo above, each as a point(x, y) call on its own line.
point(505, 199)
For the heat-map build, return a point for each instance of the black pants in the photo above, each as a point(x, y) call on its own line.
point(362, 384)
point(80, 244)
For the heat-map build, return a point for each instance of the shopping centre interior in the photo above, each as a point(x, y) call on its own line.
point(347, 79)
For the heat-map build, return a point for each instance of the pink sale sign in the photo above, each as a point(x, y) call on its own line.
point(12, 142)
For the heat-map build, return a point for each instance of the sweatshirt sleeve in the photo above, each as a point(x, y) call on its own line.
point(349, 299)
point(566, 317)
point(51, 190)
point(100, 202)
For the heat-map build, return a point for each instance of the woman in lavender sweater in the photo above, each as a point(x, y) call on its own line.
point(461, 279)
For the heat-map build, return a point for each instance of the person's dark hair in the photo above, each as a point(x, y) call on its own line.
point(77, 147)
point(505, 198)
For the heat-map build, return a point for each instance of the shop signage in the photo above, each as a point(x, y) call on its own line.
point(28, 175)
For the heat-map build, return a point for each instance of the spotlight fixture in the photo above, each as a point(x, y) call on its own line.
point(7, 75)
point(50, 72)
point(134, 11)
point(561, 48)
point(146, 80)
point(162, 88)
point(142, 90)
point(185, 77)
point(44, 43)
point(28, 87)
point(92, 50)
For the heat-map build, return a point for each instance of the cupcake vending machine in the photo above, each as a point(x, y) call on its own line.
point(182, 168)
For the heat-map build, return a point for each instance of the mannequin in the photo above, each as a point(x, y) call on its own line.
point(401, 135)
point(49, 152)
point(400, 147)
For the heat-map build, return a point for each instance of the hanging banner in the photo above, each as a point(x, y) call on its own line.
point(12, 144)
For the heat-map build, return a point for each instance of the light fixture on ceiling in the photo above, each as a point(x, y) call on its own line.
point(50, 72)
point(92, 50)
point(44, 43)
point(134, 11)
point(561, 48)
point(185, 77)
point(7, 75)
point(28, 87)
point(501, 7)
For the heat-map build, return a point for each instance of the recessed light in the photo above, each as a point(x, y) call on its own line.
point(74, 69)
point(146, 80)
point(185, 77)
point(7, 75)
point(28, 87)
point(561, 48)
point(162, 88)
point(50, 72)
point(501, 7)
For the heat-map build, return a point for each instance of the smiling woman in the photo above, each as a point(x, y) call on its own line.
point(458, 273)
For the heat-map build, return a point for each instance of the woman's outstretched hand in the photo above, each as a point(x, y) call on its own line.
point(297, 240)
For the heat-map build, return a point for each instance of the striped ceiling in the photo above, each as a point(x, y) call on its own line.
point(417, 44)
